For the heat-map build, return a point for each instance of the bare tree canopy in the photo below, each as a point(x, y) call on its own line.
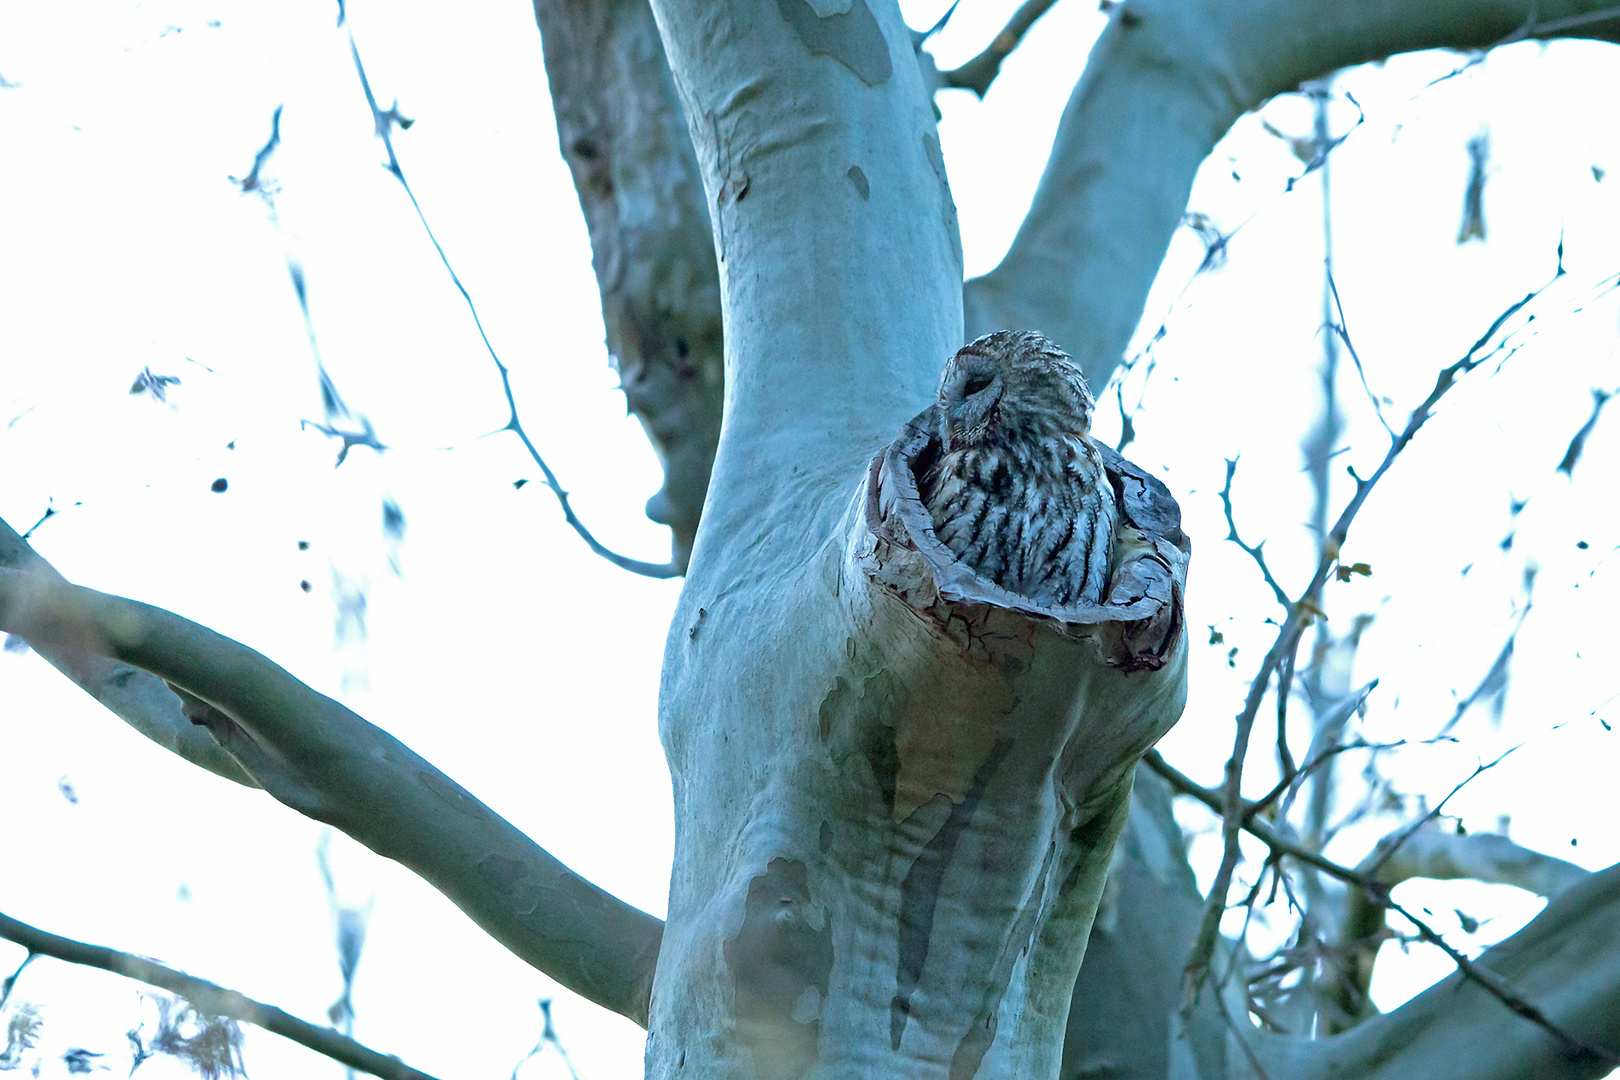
point(920, 829)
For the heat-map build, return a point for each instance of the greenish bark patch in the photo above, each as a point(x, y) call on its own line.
point(853, 38)
point(780, 962)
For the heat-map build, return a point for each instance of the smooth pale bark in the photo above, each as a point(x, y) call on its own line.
point(1164, 82)
point(1427, 853)
point(888, 845)
point(1565, 962)
point(624, 137)
point(1122, 1019)
point(324, 761)
point(140, 699)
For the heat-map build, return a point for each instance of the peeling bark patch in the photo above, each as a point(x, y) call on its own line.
point(971, 1050)
point(780, 963)
point(858, 178)
point(834, 703)
point(947, 205)
point(853, 38)
point(824, 839)
point(919, 892)
point(883, 755)
point(505, 876)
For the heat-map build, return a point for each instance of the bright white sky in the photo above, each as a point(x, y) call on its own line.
point(526, 668)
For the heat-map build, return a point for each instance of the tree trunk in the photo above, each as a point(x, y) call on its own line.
point(895, 797)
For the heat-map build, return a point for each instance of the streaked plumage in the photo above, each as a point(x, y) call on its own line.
point(1018, 490)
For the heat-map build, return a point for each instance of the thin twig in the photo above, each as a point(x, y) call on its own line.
point(1264, 802)
point(1531, 28)
point(1379, 893)
point(1254, 551)
point(1495, 677)
point(209, 998)
point(1257, 827)
point(978, 73)
point(1288, 636)
point(1343, 332)
point(1285, 690)
point(1493, 984)
point(1388, 851)
point(384, 121)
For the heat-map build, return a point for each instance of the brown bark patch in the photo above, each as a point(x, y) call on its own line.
point(863, 187)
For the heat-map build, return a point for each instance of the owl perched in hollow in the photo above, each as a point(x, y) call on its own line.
point(1017, 490)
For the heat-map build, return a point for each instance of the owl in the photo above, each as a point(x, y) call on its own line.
point(1017, 490)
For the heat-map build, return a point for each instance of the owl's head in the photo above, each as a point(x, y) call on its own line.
point(1011, 385)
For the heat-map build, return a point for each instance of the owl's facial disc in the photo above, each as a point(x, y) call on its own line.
point(970, 401)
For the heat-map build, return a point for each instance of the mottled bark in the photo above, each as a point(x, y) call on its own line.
point(895, 795)
point(623, 135)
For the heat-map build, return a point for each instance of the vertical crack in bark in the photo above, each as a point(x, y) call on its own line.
point(919, 892)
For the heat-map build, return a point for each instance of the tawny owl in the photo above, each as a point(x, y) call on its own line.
point(1018, 490)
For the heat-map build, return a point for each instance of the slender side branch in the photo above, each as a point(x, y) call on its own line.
point(209, 998)
point(329, 764)
point(978, 73)
point(1300, 615)
point(385, 121)
point(1254, 551)
point(1163, 84)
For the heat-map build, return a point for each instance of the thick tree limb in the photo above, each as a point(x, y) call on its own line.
point(210, 999)
point(329, 764)
point(624, 137)
point(1564, 962)
point(1162, 86)
point(1429, 853)
point(138, 698)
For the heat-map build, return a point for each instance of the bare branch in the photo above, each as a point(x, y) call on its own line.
point(141, 700)
point(1430, 853)
point(622, 131)
point(978, 73)
point(328, 763)
point(1301, 613)
point(1340, 328)
point(209, 998)
point(1502, 992)
point(1254, 551)
point(1137, 128)
point(385, 122)
point(1577, 444)
point(1390, 845)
